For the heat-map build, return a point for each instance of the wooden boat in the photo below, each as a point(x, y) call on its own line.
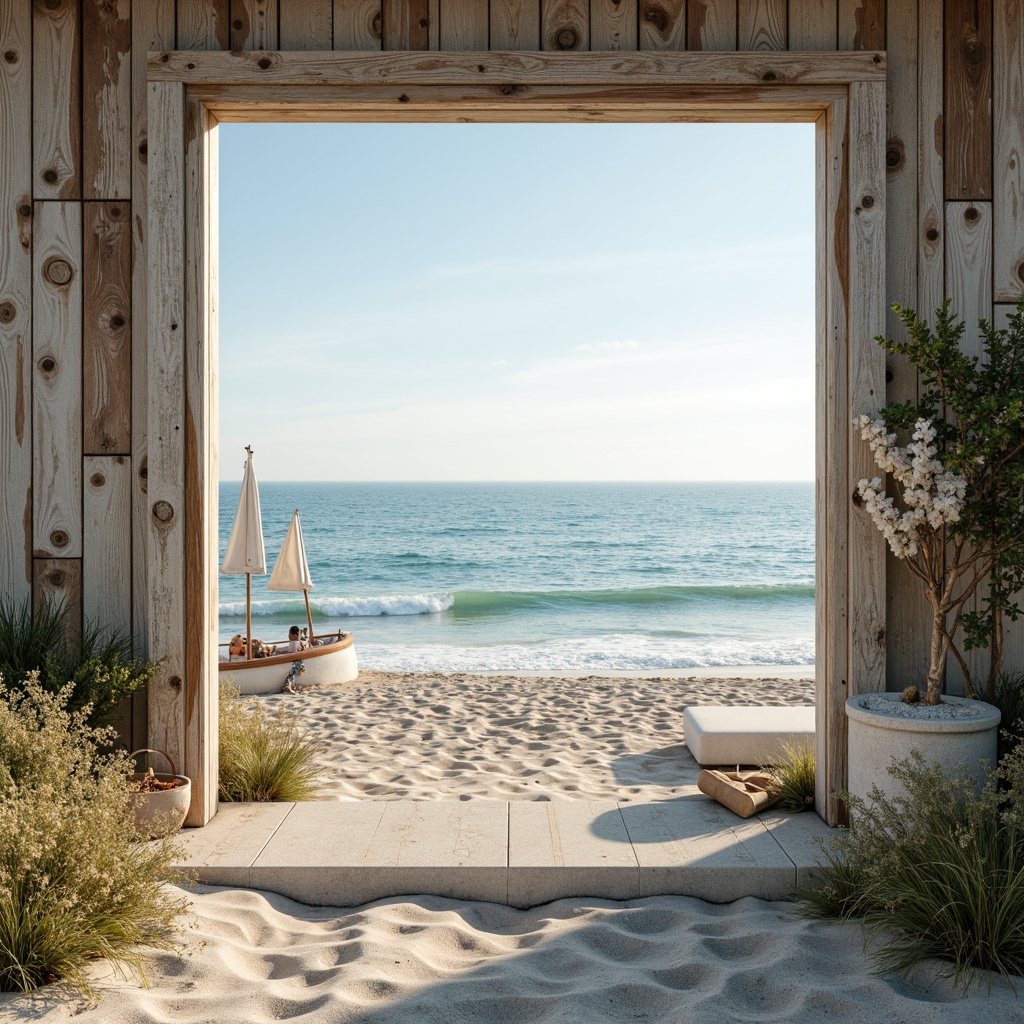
point(327, 658)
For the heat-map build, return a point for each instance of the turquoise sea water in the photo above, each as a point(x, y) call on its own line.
point(544, 577)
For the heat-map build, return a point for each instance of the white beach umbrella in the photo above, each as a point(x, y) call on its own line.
point(291, 570)
point(245, 552)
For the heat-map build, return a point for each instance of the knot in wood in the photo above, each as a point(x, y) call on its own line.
point(50, 176)
point(769, 76)
point(57, 271)
point(117, 321)
point(895, 155)
point(867, 202)
point(11, 56)
point(47, 364)
point(237, 24)
point(55, 578)
point(508, 89)
point(97, 479)
point(889, 375)
point(263, 63)
point(144, 151)
point(190, 66)
point(858, 501)
point(7, 312)
point(164, 58)
point(971, 213)
point(25, 210)
point(403, 98)
point(175, 683)
point(932, 234)
point(376, 26)
point(163, 511)
point(59, 539)
point(51, 5)
point(656, 16)
point(566, 39)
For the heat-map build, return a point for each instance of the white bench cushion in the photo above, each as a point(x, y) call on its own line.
point(720, 734)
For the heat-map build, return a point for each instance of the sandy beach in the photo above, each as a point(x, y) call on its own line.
point(259, 957)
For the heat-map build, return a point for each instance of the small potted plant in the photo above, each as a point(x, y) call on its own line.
point(160, 801)
point(955, 519)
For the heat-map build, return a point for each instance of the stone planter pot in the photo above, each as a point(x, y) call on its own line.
point(965, 745)
point(160, 813)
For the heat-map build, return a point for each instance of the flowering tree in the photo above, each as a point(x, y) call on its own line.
point(956, 518)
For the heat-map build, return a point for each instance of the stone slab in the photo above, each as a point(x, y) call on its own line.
point(799, 836)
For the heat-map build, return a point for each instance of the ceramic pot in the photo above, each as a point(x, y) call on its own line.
point(162, 812)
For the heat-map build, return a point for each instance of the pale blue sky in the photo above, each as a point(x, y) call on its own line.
point(517, 302)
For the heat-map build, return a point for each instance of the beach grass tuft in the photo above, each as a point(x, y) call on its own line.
point(794, 772)
point(263, 756)
point(1009, 698)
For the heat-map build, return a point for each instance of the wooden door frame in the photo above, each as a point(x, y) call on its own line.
point(843, 94)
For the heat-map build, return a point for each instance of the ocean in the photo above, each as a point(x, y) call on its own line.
point(543, 577)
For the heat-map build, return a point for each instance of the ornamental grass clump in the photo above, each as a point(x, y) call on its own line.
point(75, 884)
point(263, 756)
point(794, 772)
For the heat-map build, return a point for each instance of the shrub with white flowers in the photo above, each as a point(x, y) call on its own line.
point(955, 517)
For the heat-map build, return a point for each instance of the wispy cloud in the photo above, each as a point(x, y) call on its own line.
point(607, 346)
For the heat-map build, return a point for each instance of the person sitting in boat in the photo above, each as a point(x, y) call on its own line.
point(294, 644)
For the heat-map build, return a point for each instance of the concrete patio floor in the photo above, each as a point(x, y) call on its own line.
point(345, 853)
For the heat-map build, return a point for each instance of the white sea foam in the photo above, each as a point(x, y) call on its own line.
point(339, 607)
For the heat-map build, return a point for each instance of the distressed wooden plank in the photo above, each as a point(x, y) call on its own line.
point(166, 434)
point(662, 24)
point(107, 339)
point(463, 24)
point(867, 379)
point(930, 189)
point(862, 24)
point(203, 25)
point(200, 502)
point(56, 99)
point(761, 25)
point(711, 25)
point(663, 67)
point(57, 380)
point(406, 24)
point(106, 99)
point(59, 580)
point(813, 25)
point(515, 25)
point(357, 25)
point(107, 548)
point(253, 25)
point(306, 24)
point(968, 99)
point(969, 267)
point(1008, 150)
point(564, 25)
point(16, 303)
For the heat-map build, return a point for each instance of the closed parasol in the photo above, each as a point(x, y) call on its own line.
point(245, 553)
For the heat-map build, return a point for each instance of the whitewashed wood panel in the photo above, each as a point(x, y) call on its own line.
point(59, 580)
point(711, 25)
point(16, 302)
point(306, 24)
point(106, 99)
point(56, 99)
point(57, 380)
point(969, 266)
point(565, 25)
point(662, 24)
point(203, 24)
point(812, 25)
point(761, 25)
point(253, 25)
point(463, 24)
point(515, 25)
point(931, 223)
point(1008, 150)
point(357, 24)
point(107, 548)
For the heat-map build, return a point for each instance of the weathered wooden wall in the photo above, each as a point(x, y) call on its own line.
point(73, 194)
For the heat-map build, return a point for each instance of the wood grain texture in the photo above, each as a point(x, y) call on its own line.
point(463, 24)
point(306, 24)
point(515, 25)
point(16, 302)
point(1008, 150)
point(406, 24)
point(59, 580)
point(106, 99)
point(564, 25)
point(812, 25)
point(56, 99)
point(662, 25)
point(711, 25)
point(253, 25)
point(761, 24)
point(107, 338)
point(969, 267)
point(203, 25)
point(166, 405)
point(931, 218)
point(357, 25)
point(107, 548)
point(613, 25)
point(862, 24)
point(968, 99)
point(57, 380)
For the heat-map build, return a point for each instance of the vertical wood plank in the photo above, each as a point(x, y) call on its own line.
point(60, 581)
point(357, 25)
point(166, 434)
point(662, 24)
point(200, 470)
point(57, 380)
point(56, 99)
point(565, 25)
point(711, 25)
point(515, 25)
point(463, 24)
point(761, 25)
point(862, 24)
point(406, 24)
point(968, 110)
point(253, 25)
point(107, 547)
point(930, 190)
point(107, 340)
point(1008, 150)
point(812, 25)
point(16, 576)
point(433, 24)
point(306, 24)
point(203, 25)
point(106, 99)
point(969, 267)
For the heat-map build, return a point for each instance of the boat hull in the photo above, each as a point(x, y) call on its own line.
point(331, 663)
